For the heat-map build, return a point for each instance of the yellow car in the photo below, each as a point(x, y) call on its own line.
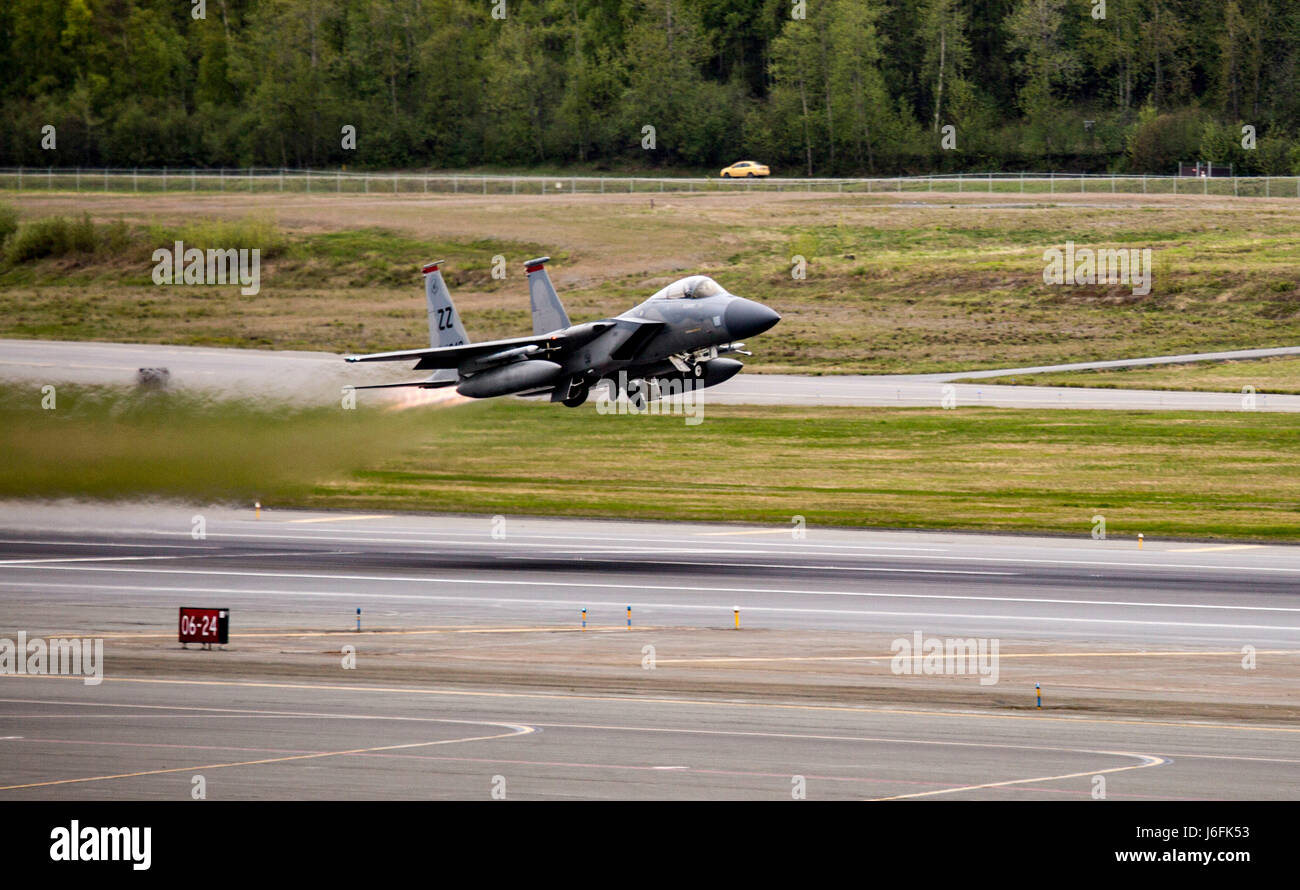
point(744, 169)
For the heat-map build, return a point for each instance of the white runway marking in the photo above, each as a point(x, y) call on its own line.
point(398, 536)
point(514, 729)
point(1154, 564)
point(637, 604)
point(1147, 761)
point(151, 546)
point(510, 582)
point(768, 565)
point(58, 559)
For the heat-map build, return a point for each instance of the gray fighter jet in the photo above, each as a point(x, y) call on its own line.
point(674, 341)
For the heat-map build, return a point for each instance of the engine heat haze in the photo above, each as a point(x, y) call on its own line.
point(679, 335)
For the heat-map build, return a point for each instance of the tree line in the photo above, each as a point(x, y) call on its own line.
point(811, 87)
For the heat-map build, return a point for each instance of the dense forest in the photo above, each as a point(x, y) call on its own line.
point(813, 87)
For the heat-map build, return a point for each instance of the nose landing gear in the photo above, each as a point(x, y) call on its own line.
point(575, 393)
point(575, 399)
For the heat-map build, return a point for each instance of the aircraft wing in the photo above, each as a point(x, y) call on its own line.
point(455, 356)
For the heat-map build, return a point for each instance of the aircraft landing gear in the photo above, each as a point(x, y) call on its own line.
point(576, 398)
point(575, 392)
point(636, 395)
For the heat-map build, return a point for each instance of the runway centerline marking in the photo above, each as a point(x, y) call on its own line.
point(338, 518)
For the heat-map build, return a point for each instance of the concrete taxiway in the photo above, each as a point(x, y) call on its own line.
point(312, 375)
point(473, 672)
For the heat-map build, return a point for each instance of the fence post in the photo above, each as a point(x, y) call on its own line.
point(78, 178)
point(135, 179)
point(164, 177)
point(194, 181)
point(1267, 180)
point(20, 177)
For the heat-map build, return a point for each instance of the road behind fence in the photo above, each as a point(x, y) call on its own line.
point(261, 180)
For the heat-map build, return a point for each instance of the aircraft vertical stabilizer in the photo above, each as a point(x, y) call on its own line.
point(548, 312)
point(445, 328)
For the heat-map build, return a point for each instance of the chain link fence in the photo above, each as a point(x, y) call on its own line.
point(262, 180)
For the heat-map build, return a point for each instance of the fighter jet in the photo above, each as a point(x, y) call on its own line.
point(678, 337)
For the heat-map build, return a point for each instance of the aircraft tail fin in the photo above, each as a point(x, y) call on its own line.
point(445, 328)
point(548, 312)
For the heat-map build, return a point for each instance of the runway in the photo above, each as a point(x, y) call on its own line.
point(473, 663)
point(319, 377)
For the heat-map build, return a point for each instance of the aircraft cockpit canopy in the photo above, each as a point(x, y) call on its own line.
point(696, 287)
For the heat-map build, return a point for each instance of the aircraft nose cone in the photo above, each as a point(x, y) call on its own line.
point(745, 318)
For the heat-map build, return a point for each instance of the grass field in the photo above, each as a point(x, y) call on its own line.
point(895, 283)
point(1164, 474)
point(1279, 375)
